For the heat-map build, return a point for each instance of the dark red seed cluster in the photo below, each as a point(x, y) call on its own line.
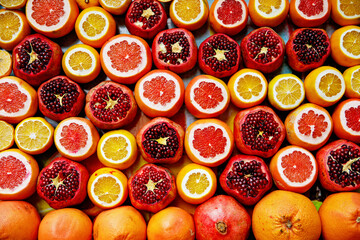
point(177, 48)
point(110, 104)
point(344, 166)
point(310, 45)
point(264, 46)
point(260, 131)
point(146, 12)
point(59, 95)
point(150, 185)
point(154, 138)
point(59, 182)
point(34, 56)
point(247, 178)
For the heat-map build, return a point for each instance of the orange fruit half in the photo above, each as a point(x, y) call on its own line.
point(304, 13)
point(5, 63)
point(13, 4)
point(6, 135)
point(268, 13)
point(352, 82)
point(345, 12)
point(116, 7)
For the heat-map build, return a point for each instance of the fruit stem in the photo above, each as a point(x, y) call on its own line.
point(288, 224)
point(358, 220)
point(221, 227)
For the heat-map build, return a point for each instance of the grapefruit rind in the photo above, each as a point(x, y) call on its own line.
point(83, 72)
point(314, 17)
point(85, 18)
point(253, 97)
point(275, 11)
point(194, 20)
point(96, 198)
point(128, 148)
point(218, 5)
point(337, 96)
point(17, 33)
point(343, 120)
point(343, 49)
point(186, 179)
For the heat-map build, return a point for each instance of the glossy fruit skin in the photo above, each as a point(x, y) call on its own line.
point(221, 217)
point(246, 200)
point(53, 68)
point(267, 22)
point(338, 18)
point(178, 68)
point(300, 21)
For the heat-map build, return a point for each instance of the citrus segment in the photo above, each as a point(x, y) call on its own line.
point(268, 7)
point(5, 63)
point(355, 81)
point(312, 8)
point(6, 135)
point(297, 167)
point(350, 42)
point(344, 43)
point(346, 117)
point(10, 25)
point(230, 12)
point(352, 82)
point(249, 87)
point(125, 56)
point(73, 137)
point(107, 189)
point(116, 7)
point(18, 173)
point(94, 25)
point(352, 116)
point(289, 91)
point(312, 124)
point(12, 99)
point(189, 14)
point(268, 13)
point(349, 8)
point(188, 10)
point(204, 137)
point(13, 4)
point(159, 90)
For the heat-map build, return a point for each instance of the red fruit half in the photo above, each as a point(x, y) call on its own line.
point(60, 98)
point(307, 48)
point(110, 105)
point(145, 18)
point(175, 49)
point(36, 59)
point(63, 183)
point(219, 56)
point(221, 217)
point(258, 131)
point(152, 188)
point(263, 49)
point(305, 13)
point(246, 178)
point(339, 166)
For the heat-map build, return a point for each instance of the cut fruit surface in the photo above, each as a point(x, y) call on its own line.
point(189, 14)
point(13, 4)
point(345, 12)
point(309, 13)
point(352, 82)
point(268, 12)
point(116, 7)
point(345, 48)
point(6, 135)
point(5, 63)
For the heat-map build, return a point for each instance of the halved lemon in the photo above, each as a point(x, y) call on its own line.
point(352, 82)
point(116, 7)
point(5, 63)
point(189, 14)
point(345, 12)
point(268, 13)
point(6, 135)
point(13, 4)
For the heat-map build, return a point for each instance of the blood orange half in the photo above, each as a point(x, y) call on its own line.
point(309, 13)
point(209, 142)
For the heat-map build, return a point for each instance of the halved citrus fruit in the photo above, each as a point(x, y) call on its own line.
point(189, 14)
point(107, 188)
point(6, 135)
point(309, 126)
point(5, 63)
point(352, 82)
point(346, 117)
point(76, 138)
point(196, 183)
point(294, 169)
point(160, 93)
point(87, 3)
point(34, 135)
point(324, 86)
point(81, 63)
point(209, 142)
point(305, 13)
point(345, 12)
point(18, 175)
point(95, 26)
point(116, 7)
point(117, 149)
point(53, 18)
point(228, 16)
point(125, 58)
point(206, 96)
point(13, 4)
point(286, 92)
point(345, 47)
point(268, 13)
point(13, 28)
point(18, 100)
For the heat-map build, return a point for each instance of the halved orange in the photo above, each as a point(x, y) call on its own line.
point(116, 7)
point(268, 13)
point(13, 4)
point(345, 12)
point(304, 13)
point(352, 82)
point(5, 63)
point(87, 3)
point(6, 135)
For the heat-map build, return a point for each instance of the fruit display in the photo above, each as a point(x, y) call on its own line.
point(179, 119)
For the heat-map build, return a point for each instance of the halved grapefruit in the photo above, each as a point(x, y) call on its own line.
point(309, 13)
point(268, 13)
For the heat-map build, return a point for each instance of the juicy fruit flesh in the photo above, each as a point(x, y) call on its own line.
point(94, 24)
point(312, 124)
point(47, 12)
point(230, 12)
point(145, 14)
point(197, 183)
point(330, 85)
point(113, 3)
point(312, 7)
point(209, 141)
point(107, 189)
point(9, 25)
point(115, 148)
point(208, 95)
point(124, 56)
point(6, 135)
point(249, 87)
point(352, 116)
point(11, 99)
point(12, 172)
point(5, 61)
point(268, 6)
point(264, 46)
point(350, 7)
point(80, 61)
point(188, 10)
point(355, 81)
point(288, 91)
point(351, 42)
point(174, 48)
point(73, 137)
point(297, 166)
point(33, 135)
point(159, 90)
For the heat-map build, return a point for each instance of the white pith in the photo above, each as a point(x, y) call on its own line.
point(128, 148)
point(81, 151)
point(26, 181)
point(198, 17)
point(44, 28)
point(353, 77)
point(132, 72)
point(159, 106)
point(16, 34)
point(321, 15)
point(343, 14)
point(298, 101)
point(343, 121)
point(342, 42)
point(281, 169)
point(97, 36)
point(96, 198)
point(106, 3)
point(218, 5)
point(27, 103)
point(275, 11)
point(321, 93)
point(197, 153)
point(221, 104)
point(48, 136)
point(310, 139)
point(253, 98)
point(186, 179)
point(84, 72)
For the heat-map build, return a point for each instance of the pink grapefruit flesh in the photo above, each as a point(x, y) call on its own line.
point(297, 166)
point(48, 12)
point(73, 137)
point(159, 90)
point(124, 56)
point(311, 7)
point(12, 172)
point(312, 124)
point(230, 12)
point(352, 116)
point(204, 140)
point(11, 99)
point(208, 95)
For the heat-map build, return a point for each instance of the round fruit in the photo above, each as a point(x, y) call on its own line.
point(161, 141)
point(246, 178)
point(228, 16)
point(352, 82)
point(115, 7)
point(7, 134)
point(219, 56)
point(339, 166)
point(18, 174)
point(6, 63)
point(345, 12)
point(174, 49)
point(62, 183)
point(36, 59)
point(152, 188)
point(258, 131)
point(268, 13)
point(13, 4)
point(60, 98)
point(172, 223)
point(285, 215)
point(67, 223)
point(307, 48)
point(110, 105)
point(309, 14)
point(83, 4)
point(221, 217)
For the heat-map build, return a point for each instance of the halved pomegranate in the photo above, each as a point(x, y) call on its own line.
point(110, 105)
point(246, 178)
point(258, 131)
point(175, 49)
point(145, 18)
point(219, 55)
point(263, 49)
point(63, 183)
point(339, 166)
point(60, 98)
point(36, 59)
point(307, 48)
point(152, 188)
point(161, 141)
